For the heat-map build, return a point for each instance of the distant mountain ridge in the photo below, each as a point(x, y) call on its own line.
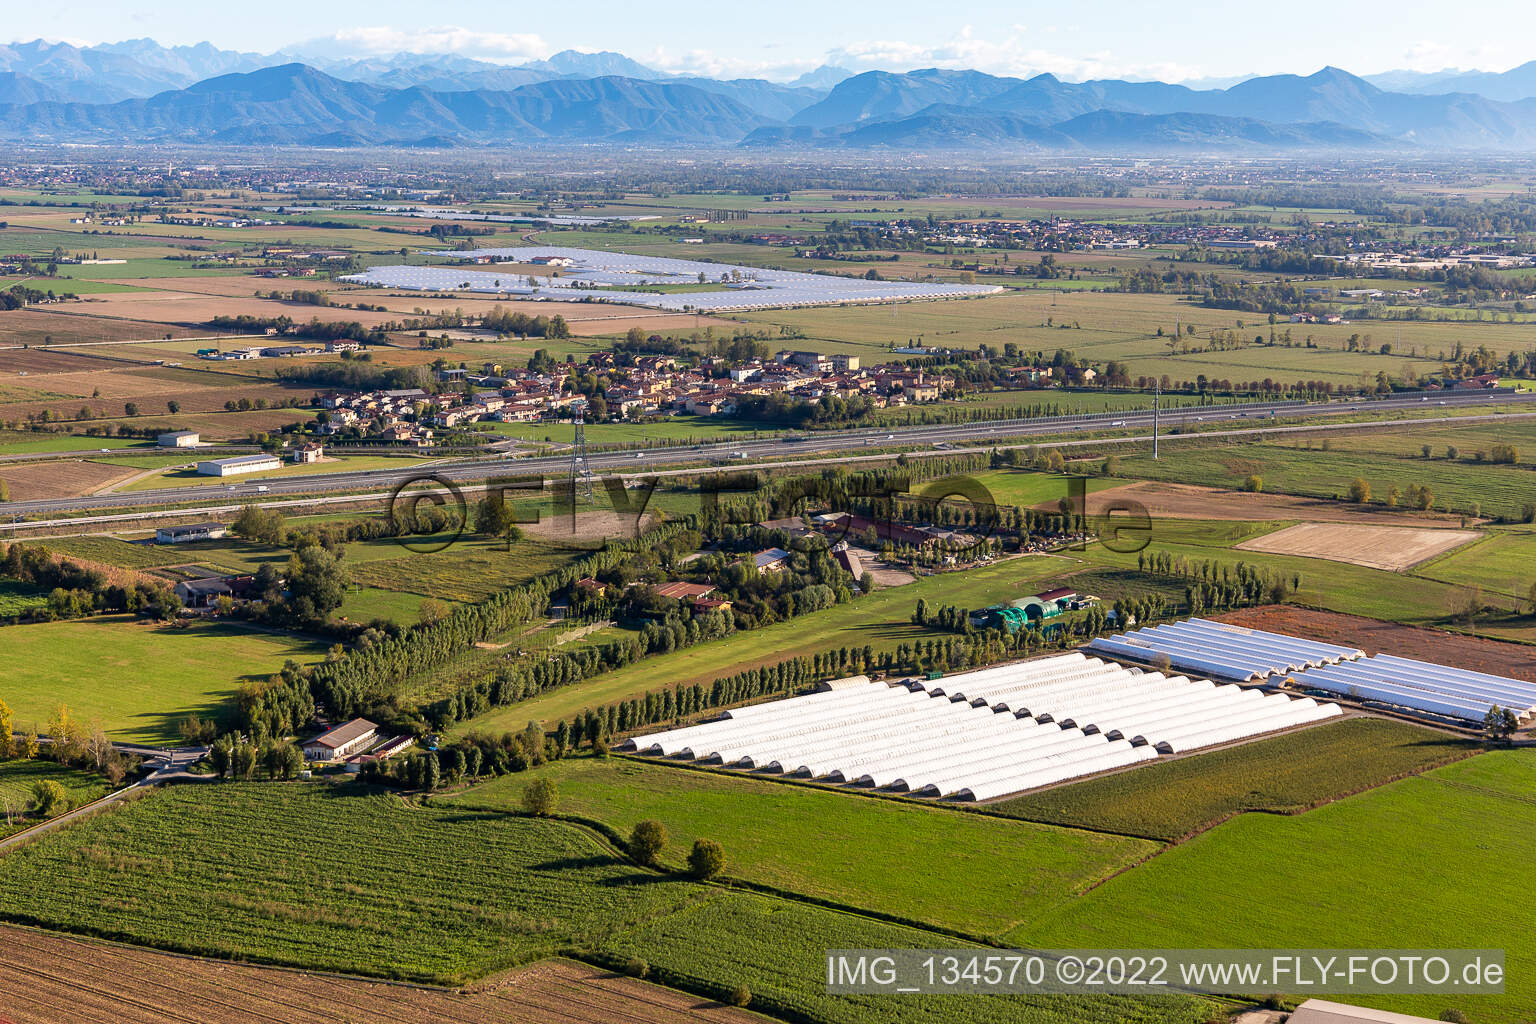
point(138, 90)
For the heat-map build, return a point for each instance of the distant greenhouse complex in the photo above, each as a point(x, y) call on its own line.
point(530, 271)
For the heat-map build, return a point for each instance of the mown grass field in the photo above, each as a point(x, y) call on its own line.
point(17, 777)
point(799, 838)
point(1286, 774)
point(1387, 869)
point(139, 680)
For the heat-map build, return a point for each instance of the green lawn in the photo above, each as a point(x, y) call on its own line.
point(880, 620)
point(136, 678)
point(1388, 869)
point(799, 838)
point(1290, 773)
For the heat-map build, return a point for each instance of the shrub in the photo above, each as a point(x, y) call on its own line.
point(1454, 1016)
point(706, 859)
point(647, 840)
point(540, 798)
point(636, 968)
point(1359, 491)
point(1254, 483)
point(740, 996)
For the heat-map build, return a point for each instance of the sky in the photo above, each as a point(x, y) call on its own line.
point(1198, 39)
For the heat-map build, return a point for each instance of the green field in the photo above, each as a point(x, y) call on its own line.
point(18, 598)
point(1385, 869)
point(1286, 774)
point(294, 873)
point(138, 679)
point(799, 838)
point(17, 777)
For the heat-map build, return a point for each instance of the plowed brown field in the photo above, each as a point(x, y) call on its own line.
point(54, 979)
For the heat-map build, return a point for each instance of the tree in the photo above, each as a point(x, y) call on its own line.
point(5, 722)
point(1499, 723)
point(741, 996)
point(540, 798)
point(130, 409)
point(220, 756)
point(1359, 491)
point(706, 859)
point(5, 491)
point(1530, 599)
point(259, 525)
point(317, 584)
point(647, 840)
point(49, 798)
point(493, 516)
point(1254, 483)
point(198, 731)
point(431, 772)
point(432, 610)
point(173, 407)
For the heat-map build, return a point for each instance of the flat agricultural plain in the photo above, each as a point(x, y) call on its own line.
point(1165, 500)
point(107, 983)
point(1381, 547)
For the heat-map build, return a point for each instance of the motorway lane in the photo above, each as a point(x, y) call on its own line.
point(742, 452)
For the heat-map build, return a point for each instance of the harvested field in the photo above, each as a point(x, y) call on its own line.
point(108, 983)
point(1374, 636)
point(1393, 548)
point(30, 327)
point(33, 480)
point(178, 306)
point(1185, 501)
point(36, 362)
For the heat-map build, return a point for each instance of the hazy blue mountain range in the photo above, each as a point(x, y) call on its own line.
point(140, 91)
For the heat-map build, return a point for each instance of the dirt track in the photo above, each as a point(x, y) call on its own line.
point(54, 979)
point(1374, 637)
point(1186, 501)
point(1393, 548)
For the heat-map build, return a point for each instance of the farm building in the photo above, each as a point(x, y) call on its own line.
point(239, 464)
point(1001, 616)
point(204, 593)
point(682, 591)
point(178, 439)
point(988, 733)
point(341, 742)
point(1322, 1011)
point(1223, 650)
point(190, 532)
point(1046, 605)
point(770, 560)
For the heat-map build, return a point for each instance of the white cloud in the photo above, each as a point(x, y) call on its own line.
point(380, 40)
point(1009, 54)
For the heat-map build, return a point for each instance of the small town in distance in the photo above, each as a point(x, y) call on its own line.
point(681, 519)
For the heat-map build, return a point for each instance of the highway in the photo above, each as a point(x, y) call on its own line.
point(743, 453)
